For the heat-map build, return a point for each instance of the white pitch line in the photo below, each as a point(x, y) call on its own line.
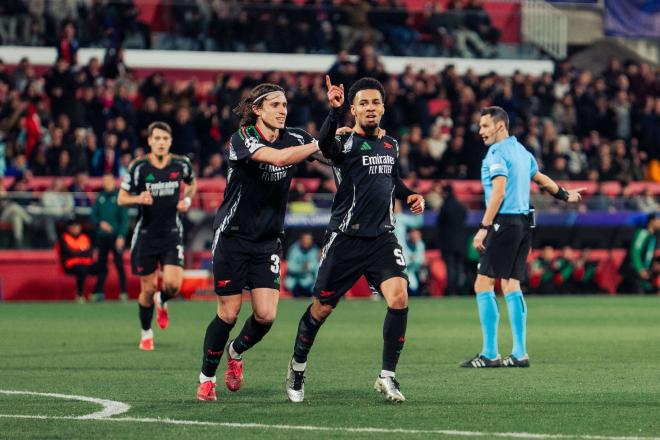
point(447, 432)
point(111, 408)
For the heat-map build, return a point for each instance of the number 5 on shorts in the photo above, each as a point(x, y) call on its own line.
point(400, 260)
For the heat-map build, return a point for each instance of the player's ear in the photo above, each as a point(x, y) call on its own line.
point(353, 111)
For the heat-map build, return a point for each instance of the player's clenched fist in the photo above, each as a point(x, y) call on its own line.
point(416, 203)
point(335, 93)
point(145, 198)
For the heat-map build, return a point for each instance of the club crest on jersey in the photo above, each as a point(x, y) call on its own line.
point(387, 145)
point(174, 175)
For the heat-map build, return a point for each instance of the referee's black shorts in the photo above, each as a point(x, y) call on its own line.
point(507, 243)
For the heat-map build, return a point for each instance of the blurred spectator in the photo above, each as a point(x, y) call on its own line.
point(111, 223)
point(58, 206)
point(451, 238)
point(647, 202)
point(558, 170)
point(454, 162)
point(107, 160)
point(542, 271)
point(414, 251)
point(564, 269)
point(216, 167)
point(14, 213)
point(79, 188)
point(599, 201)
point(585, 273)
point(302, 263)
point(67, 46)
point(636, 269)
point(74, 248)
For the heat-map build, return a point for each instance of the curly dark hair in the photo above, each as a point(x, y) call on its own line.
point(244, 108)
point(364, 84)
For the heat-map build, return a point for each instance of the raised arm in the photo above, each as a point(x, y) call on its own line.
point(328, 142)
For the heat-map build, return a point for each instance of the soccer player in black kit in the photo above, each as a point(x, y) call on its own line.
point(360, 239)
point(154, 183)
point(248, 229)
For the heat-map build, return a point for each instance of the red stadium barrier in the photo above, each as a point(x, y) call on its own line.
point(36, 276)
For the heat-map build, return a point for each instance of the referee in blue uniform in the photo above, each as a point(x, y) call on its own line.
point(504, 237)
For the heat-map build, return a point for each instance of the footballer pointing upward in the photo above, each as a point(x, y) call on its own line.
point(360, 239)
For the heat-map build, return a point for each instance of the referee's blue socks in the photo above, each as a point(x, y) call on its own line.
point(518, 318)
point(489, 315)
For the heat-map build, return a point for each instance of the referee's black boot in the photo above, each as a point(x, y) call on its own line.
point(513, 362)
point(480, 361)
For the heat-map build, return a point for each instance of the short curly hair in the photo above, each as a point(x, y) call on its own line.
point(365, 84)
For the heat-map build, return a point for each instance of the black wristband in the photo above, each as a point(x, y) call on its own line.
point(482, 226)
point(561, 194)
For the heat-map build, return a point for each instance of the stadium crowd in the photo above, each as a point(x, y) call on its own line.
point(92, 119)
point(444, 28)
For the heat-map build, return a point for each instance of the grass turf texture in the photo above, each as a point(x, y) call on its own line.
point(594, 371)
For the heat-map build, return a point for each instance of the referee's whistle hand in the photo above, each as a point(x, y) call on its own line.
point(574, 195)
point(478, 241)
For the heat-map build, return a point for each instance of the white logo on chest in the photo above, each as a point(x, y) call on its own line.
point(379, 164)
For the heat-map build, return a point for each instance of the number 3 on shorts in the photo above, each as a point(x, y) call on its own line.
point(275, 267)
point(400, 260)
point(179, 250)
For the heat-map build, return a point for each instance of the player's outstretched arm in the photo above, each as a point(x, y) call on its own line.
point(124, 198)
point(556, 191)
point(285, 156)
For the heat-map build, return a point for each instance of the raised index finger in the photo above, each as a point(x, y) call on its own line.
point(328, 84)
point(579, 190)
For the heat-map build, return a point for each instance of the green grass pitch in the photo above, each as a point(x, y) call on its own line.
point(595, 372)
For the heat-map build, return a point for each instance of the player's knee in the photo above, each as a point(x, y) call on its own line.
point(265, 316)
point(399, 300)
point(228, 316)
point(171, 288)
point(149, 288)
point(510, 285)
point(321, 311)
point(228, 311)
point(483, 284)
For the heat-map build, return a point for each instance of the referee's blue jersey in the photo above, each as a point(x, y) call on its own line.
point(510, 159)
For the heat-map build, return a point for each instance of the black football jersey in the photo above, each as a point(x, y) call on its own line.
point(164, 184)
point(366, 172)
point(256, 193)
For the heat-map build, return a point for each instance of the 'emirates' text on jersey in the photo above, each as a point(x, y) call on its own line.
point(367, 177)
point(256, 193)
point(164, 184)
